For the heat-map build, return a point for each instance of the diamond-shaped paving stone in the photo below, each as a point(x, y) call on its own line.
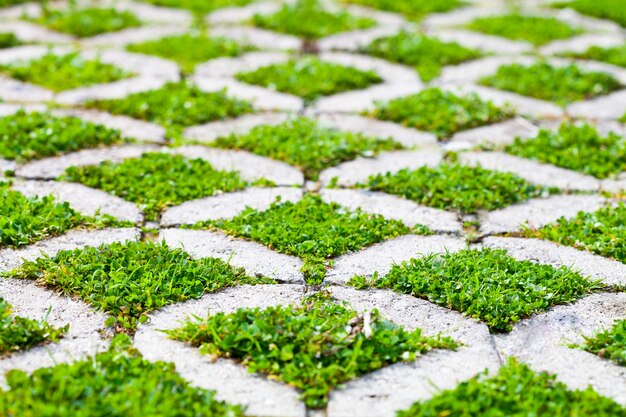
point(313, 347)
point(157, 180)
point(412, 9)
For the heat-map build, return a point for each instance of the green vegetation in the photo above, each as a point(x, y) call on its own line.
point(427, 55)
point(24, 220)
point(515, 391)
point(413, 9)
point(190, 49)
point(609, 344)
point(115, 383)
point(129, 280)
point(534, 29)
point(64, 72)
point(309, 19)
point(562, 85)
point(457, 187)
point(485, 284)
point(26, 136)
point(157, 180)
point(313, 347)
point(87, 22)
point(312, 230)
point(8, 40)
point(7, 3)
point(614, 56)
point(602, 232)
point(606, 9)
point(306, 144)
point(200, 6)
point(310, 78)
point(165, 106)
point(442, 113)
point(19, 333)
point(577, 147)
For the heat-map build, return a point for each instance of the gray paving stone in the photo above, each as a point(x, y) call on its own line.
point(51, 168)
point(260, 38)
point(359, 170)
point(532, 171)
point(234, 15)
point(30, 32)
point(611, 272)
point(251, 167)
point(255, 258)
point(538, 212)
point(74, 239)
point(133, 35)
point(16, 91)
point(389, 72)
point(83, 199)
point(396, 208)
point(381, 257)
point(612, 106)
point(364, 100)
point(497, 134)
point(228, 205)
point(240, 126)
point(482, 42)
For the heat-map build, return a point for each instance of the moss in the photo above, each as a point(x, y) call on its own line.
point(457, 187)
point(163, 106)
point(64, 72)
point(606, 9)
point(157, 180)
point(190, 49)
point(313, 347)
point(534, 29)
point(133, 387)
point(312, 230)
point(27, 136)
point(427, 55)
point(413, 9)
point(24, 220)
point(86, 22)
point(485, 284)
point(130, 280)
point(19, 333)
point(515, 391)
point(310, 78)
point(439, 112)
point(309, 19)
point(306, 144)
point(562, 85)
point(602, 232)
point(577, 147)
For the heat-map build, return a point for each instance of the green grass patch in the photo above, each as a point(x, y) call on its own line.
point(515, 391)
point(190, 49)
point(313, 347)
point(614, 56)
point(199, 6)
point(452, 186)
point(608, 344)
point(412, 9)
point(309, 19)
point(64, 72)
point(442, 113)
point(577, 147)
point(129, 280)
point(312, 230)
point(602, 232)
point(8, 40)
point(8, 3)
point(115, 383)
point(157, 180)
point(24, 220)
point(605, 9)
point(562, 85)
point(426, 54)
point(87, 22)
point(310, 78)
point(27, 136)
point(534, 29)
point(486, 284)
point(306, 144)
point(176, 106)
point(19, 333)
